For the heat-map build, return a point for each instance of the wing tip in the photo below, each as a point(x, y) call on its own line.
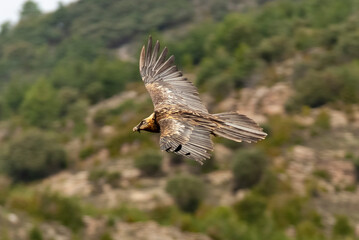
point(149, 42)
point(142, 57)
point(149, 50)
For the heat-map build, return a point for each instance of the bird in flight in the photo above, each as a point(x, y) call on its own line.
point(179, 115)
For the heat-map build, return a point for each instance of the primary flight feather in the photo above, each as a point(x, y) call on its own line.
point(179, 115)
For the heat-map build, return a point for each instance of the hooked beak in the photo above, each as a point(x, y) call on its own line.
point(137, 128)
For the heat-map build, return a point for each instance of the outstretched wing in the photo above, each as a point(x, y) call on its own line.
point(166, 85)
point(183, 138)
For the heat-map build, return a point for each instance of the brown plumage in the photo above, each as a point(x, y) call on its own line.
point(180, 116)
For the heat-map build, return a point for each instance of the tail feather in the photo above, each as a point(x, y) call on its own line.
point(238, 127)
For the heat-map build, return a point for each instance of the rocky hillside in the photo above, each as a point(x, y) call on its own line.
point(71, 167)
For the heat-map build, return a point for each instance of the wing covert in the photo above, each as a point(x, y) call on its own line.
point(180, 137)
point(165, 83)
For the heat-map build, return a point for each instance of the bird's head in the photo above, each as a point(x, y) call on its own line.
point(147, 124)
point(141, 126)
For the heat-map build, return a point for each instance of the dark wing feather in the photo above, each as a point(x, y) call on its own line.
point(183, 138)
point(166, 85)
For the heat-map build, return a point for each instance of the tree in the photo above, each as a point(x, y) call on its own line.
point(4, 110)
point(248, 167)
point(251, 209)
point(41, 105)
point(149, 163)
point(5, 28)
point(187, 191)
point(13, 95)
point(342, 226)
point(33, 156)
point(29, 10)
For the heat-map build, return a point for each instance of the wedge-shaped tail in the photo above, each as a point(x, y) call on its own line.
point(238, 127)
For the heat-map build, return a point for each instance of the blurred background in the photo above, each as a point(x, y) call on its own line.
point(70, 93)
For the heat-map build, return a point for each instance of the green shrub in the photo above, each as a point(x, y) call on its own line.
point(67, 97)
point(12, 95)
point(33, 156)
point(316, 89)
point(35, 234)
point(330, 36)
point(215, 74)
point(100, 176)
point(288, 210)
point(348, 45)
point(100, 118)
point(166, 215)
point(195, 168)
point(342, 226)
point(334, 84)
point(282, 131)
point(269, 184)
point(65, 210)
point(323, 174)
point(87, 151)
point(48, 206)
point(276, 48)
point(306, 38)
point(5, 185)
point(322, 121)
point(308, 230)
point(356, 167)
point(248, 167)
point(176, 159)
point(77, 112)
point(222, 223)
point(130, 214)
point(106, 236)
point(41, 106)
point(251, 209)
point(124, 136)
point(149, 162)
point(220, 85)
point(4, 233)
point(187, 191)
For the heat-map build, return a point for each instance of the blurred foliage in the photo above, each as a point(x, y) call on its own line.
point(101, 176)
point(283, 131)
point(87, 151)
point(35, 234)
point(339, 83)
point(129, 214)
point(106, 236)
point(33, 156)
point(47, 206)
point(40, 106)
point(149, 163)
point(187, 191)
point(342, 226)
point(291, 210)
point(251, 209)
point(323, 174)
point(248, 167)
point(221, 223)
point(70, 48)
point(308, 230)
point(355, 162)
point(275, 48)
point(270, 184)
point(322, 121)
point(29, 10)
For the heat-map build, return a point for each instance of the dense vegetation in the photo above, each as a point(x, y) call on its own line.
point(68, 51)
point(33, 156)
point(55, 68)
